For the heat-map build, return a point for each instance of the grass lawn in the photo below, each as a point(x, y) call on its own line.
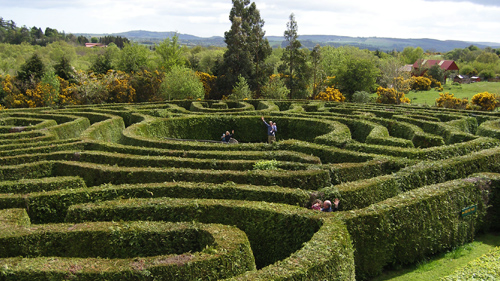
point(444, 264)
point(460, 91)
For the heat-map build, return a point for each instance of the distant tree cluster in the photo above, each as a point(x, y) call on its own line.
point(12, 34)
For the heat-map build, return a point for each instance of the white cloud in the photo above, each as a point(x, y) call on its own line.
point(468, 20)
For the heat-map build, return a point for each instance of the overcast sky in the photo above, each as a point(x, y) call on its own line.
point(466, 20)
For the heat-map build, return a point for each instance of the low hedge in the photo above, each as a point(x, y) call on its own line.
point(275, 231)
point(279, 155)
point(486, 267)
point(99, 174)
point(432, 153)
point(43, 147)
point(247, 128)
point(348, 172)
point(52, 206)
point(124, 251)
point(27, 124)
point(327, 256)
point(489, 129)
point(125, 160)
point(13, 218)
point(360, 194)
point(26, 171)
point(44, 184)
point(432, 172)
point(327, 154)
point(207, 106)
point(450, 134)
point(109, 130)
point(414, 225)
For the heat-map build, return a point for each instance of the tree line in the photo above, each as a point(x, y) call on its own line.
point(12, 34)
point(62, 72)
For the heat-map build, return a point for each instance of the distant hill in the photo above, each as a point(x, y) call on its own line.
point(309, 41)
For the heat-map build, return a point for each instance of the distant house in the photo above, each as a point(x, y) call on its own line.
point(407, 68)
point(446, 65)
point(92, 45)
point(464, 79)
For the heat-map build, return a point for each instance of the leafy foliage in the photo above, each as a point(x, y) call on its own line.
point(241, 90)
point(275, 88)
point(181, 83)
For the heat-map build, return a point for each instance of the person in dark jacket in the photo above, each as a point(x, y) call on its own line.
point(227, 136)
point(271, 130)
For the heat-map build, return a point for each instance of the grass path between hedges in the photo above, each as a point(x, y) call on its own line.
point(444, 264)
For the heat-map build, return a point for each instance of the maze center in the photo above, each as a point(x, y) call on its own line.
point(149, 192)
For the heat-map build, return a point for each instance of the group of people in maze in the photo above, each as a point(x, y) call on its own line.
point(326, 206)
point(318, 205)
point(271, 133)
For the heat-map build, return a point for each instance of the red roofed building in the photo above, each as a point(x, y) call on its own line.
point(91, 45)
point(446, 65)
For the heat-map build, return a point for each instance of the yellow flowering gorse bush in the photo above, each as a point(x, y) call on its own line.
point(485, 101)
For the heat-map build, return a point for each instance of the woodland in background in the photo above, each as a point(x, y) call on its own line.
point(55, 69)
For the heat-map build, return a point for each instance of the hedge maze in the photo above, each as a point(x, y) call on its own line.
point(148, 192)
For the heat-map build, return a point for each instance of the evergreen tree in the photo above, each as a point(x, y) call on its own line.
point(33, 69)
point(64, 70)
point(247, 49)
point(295, 66)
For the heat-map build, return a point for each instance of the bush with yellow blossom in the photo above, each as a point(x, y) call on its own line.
point(447, 100)
point(485, 101)
point(208, 81)
point(391, 96)
point(421, 83)
point(330, 94)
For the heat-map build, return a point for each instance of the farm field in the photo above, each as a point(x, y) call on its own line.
point(149, 192)
point(460, 91)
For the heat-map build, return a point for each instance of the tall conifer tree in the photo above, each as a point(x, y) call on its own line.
point(247, 49)
point(295, 66)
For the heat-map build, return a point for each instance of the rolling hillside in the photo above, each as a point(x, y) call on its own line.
point(309, 41)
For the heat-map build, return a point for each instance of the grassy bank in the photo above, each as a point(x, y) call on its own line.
point(460, 91)
point(444, 264)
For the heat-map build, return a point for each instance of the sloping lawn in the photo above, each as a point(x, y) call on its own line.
point(460, 91)
point(444, 264)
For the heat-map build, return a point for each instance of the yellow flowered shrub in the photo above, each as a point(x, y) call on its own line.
point(208, 81)
point(448, 100)
point(67, 93)
point(118, 87)
point(391, 96)
point(485, 101)
point(147, 85)
point(330, 94)
point(421, 83)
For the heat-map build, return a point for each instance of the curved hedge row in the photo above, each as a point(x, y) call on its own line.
point(403, 174)
point(125, 250)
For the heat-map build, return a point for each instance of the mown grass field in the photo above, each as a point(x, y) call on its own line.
point(460, 91)
point(443, 264)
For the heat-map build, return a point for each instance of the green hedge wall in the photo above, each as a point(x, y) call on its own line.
point(99, 174)
point(279, 155)
point(52, 206)
point(125, 251)
point(262, 222)
point(413, 225)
